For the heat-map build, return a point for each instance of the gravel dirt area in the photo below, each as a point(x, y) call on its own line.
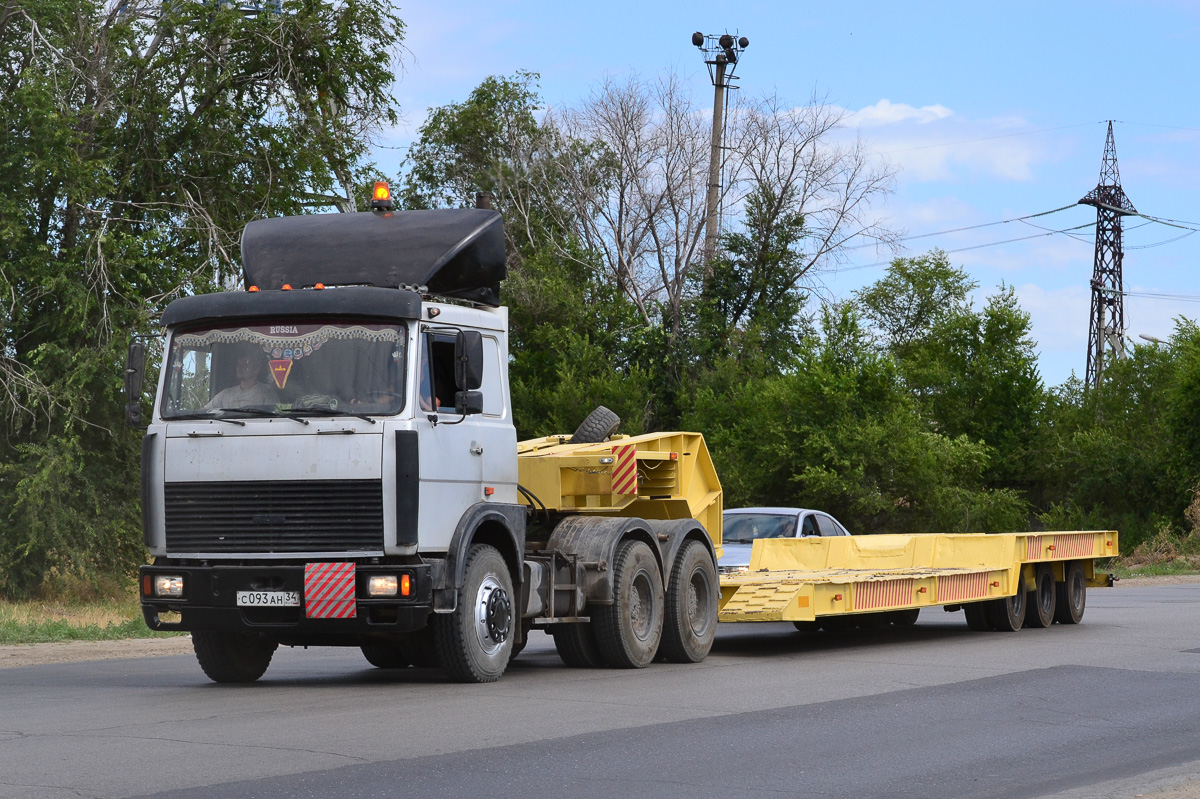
point(70, 651)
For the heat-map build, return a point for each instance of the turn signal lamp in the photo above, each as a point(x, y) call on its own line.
point(252, 288)
point(382, 585)
point(405, 585)
point(286, 287)
point(319, 286)
point(168, 585)
point(381, 196)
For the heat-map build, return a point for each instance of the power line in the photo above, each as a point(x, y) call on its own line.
point(977, 246)
point(969, 227)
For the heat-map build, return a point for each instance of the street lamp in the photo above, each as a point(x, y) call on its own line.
point(721, 54)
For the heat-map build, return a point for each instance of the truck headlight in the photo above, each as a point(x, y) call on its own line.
point(383, 585)
point(168, 585)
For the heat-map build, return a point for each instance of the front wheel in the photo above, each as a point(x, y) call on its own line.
point(474, 642)
point(629, 630)
point(232, 657)
point(691, 613)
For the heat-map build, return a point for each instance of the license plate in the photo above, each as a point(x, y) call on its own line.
point(268, 599)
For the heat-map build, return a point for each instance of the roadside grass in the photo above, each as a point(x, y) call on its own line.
point(46, 621)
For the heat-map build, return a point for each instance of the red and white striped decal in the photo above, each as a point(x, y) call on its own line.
point(883, 594)
point(1033, 547)
point(955, 587)
point(624, 472)
point(1075, 545)
point(329, 591)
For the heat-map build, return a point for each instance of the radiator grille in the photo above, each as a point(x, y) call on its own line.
point(275, 516)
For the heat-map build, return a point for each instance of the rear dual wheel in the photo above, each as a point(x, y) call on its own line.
point(1071, 594)
point(691, 606)
point(629, 630)
point(1041, 602)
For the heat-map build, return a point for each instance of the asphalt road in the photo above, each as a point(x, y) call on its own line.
point(1108, 708)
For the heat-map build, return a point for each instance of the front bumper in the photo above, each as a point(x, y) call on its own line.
point(209, 602)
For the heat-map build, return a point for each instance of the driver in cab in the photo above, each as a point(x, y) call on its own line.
point(249, 391)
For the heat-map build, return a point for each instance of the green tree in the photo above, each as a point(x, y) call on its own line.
point(136, 140)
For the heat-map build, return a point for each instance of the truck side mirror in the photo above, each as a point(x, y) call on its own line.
point(468, 360)
point(135, 368)
point(468, 402)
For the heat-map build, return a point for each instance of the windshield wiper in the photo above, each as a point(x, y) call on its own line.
point(325, 410)
point(261, 412)
point(203, 415)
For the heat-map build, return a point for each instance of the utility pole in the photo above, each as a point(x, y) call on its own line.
point(1106, 335)
point(721, 55)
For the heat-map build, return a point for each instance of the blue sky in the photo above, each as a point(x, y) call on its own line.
point(988, 112)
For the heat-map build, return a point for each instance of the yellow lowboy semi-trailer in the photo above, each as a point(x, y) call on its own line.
point(1001, 581)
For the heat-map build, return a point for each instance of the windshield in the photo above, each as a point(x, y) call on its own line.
point(279, 366)
point(744, 528)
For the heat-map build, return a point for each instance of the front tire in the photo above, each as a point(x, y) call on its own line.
point(629, 630)
point(474, 642)
point(691, 613)
point(232, 657)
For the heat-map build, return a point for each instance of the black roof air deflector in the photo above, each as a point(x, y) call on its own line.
point(454, 252)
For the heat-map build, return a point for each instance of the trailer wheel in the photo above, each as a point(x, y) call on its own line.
point(904, 618)
point(1041, 604)
point(1007, 614)
point(977, 616)
point(838, 624)
point(599, 425)
point(576, 645)
point(629, 630)
point(873, 621)
point(386, 656)
point(232, 657)
point(475, 641)
point(691, 613)
point(1072, 594)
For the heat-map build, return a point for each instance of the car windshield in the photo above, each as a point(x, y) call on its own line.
point(744, 528)
point(277, 366)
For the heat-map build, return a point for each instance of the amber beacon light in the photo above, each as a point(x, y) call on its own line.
point(381, 197)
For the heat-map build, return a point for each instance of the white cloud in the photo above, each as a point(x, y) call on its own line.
point(933, 143)
point(885, 112)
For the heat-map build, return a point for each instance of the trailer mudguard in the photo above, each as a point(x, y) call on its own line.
point(593, 541)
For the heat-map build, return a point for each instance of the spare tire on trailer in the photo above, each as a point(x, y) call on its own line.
point(599, 425)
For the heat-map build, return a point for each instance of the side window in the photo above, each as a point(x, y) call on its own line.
point(828, 526)
point(437, 373)
point(809, 525)
point(493, 402)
